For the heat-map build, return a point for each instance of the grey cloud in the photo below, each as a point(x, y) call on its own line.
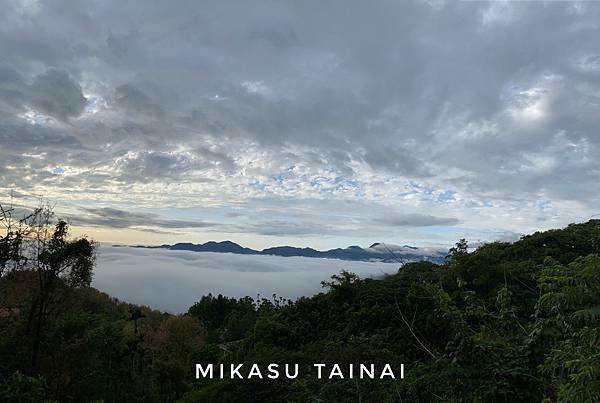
point(20, 137)
point(135, 101)
point(148, 166)
point(116, 218)
point(303, 218)
point(233, 214)
point(53, 93)
point(415, 220)
point(152, 166)
point(283, 227)
point(216, 157)
point(397, 160)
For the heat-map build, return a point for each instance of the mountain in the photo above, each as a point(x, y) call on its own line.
point(377, 252)
point(220, 247)
point(291, 251)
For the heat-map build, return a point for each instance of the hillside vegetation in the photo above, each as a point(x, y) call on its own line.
point(507, 322)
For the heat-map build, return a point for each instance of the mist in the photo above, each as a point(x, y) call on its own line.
point(173, 280)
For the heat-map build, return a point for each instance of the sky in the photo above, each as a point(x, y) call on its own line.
point(307, 123)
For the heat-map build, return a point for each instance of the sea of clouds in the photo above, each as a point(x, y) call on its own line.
point(173, 280)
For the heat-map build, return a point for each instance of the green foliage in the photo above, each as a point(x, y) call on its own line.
point(568, 326)
point(227, 318)
point(504, 323)
point(92, 350)
point(19, 388)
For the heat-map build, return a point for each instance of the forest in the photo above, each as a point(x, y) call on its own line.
point(504, 322)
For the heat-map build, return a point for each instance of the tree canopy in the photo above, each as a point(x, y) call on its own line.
point(505, 322)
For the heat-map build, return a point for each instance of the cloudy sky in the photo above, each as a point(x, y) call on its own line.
point(321, 123)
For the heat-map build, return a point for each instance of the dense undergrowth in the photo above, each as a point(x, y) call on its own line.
point(507, 322)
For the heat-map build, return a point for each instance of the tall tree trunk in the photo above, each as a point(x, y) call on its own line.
point(38, 333)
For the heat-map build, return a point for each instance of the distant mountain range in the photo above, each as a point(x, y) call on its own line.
point(378, 252)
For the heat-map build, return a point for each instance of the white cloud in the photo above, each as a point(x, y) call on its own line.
point(174, 280)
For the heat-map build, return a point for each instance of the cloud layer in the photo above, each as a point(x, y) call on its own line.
point(174, 280)
point(306, 118)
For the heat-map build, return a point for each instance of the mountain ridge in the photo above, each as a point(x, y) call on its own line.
point(378, 251)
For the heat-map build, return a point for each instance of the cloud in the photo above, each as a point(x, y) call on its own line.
point(55, 94)
point(174, 280)
point(417, 220)
point(115, 218)
point(52, 93)
point(235, 104)
point(135, 102)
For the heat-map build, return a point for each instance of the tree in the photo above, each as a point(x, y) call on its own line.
point(343, 285)
point(11, 238)
point(135, 314)
point(39, 244)
point(568, 327)
point(458, 251)
point(20, 388)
